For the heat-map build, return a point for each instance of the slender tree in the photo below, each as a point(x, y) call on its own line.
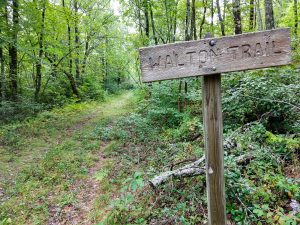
point(175, 19)
point(237, 17)
point(2, 74)
point(2, 62)
point(77, 40)
point(38, 77)
point(269, 15)
point(152, 23)
point(251, 16)
point(193, 31)
point(296, 17)
point(203, 18)
point(146, 13)
point(259, 19)
point(220, 18)
point(13, 50)
point(187, 20)
point(212, 18)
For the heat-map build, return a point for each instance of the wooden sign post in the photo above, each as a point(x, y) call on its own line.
point(209, 58)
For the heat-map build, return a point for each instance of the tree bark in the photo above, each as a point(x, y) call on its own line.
point(187, 20)
point(193, 33)
point(38, 77)
point(179, 103)
point(269, 15)
point(175, 20)
point(168, 21)
point(72, 82)
point(86, 53)
point(69, 41)
point(146, 13)
point(212, 18)
point(2, 74)
point(220, 18)
point(70, 77)
point(296, 17)
point(237, 17)
point(13, 51)
point(2, 62)
point(260, 24)
point(251, 16)
point(203, 18)
point(190, 170)
point(153, 24)
point(77, 40)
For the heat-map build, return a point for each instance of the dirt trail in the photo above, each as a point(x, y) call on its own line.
point(89, 189)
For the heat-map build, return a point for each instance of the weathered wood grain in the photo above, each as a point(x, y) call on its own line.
point(214, 154)
point(216, 55)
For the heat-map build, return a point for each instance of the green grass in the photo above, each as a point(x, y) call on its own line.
point(43, 157)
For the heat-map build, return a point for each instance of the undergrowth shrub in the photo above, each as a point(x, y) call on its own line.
point(267, 95)
point(19, 110)
point(261, 123)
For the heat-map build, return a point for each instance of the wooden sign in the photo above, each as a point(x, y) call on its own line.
point(211, 57)
point(216, 55)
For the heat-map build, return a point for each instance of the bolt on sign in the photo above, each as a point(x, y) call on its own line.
point(209, 58)
point(216, 55)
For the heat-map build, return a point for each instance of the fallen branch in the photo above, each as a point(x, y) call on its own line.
point(189, 170)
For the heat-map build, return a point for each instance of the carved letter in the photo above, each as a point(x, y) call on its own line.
point(275, 51)
point(203, 56)
point(233, 50)
point(168, 61)
point(176, 60)
point(154, 64)
point(191, 56)
point(246, 51)
point(212, 54)
point(258, 50)
point(268, 52)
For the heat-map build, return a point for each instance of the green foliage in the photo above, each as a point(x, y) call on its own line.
point(267, 96)
point(10, 111)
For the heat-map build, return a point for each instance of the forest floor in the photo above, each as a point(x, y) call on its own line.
point(88, 163)
point(52, 166)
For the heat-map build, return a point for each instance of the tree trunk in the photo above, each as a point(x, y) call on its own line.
point(147, 24)
point(269, 15)
point(2, 62)
point(2, 74)
point(13, 52)
point(260, 24)
point(179, 103)
point(77, 44)
point(72, 83)
point(153, 24)
point(187, 20)
point(168, 22)
point(212, 18)
point(38, 77)
point(175, 20)
point(251, 16)
point(193, 33)
point(296, 17)
point(224, 11)
point(220, 18)
point(86, 53)
point(203, 18)
point(140, 18)
point(69, 42)
point(237, 17)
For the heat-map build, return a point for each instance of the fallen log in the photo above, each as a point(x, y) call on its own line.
point(189, 170)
